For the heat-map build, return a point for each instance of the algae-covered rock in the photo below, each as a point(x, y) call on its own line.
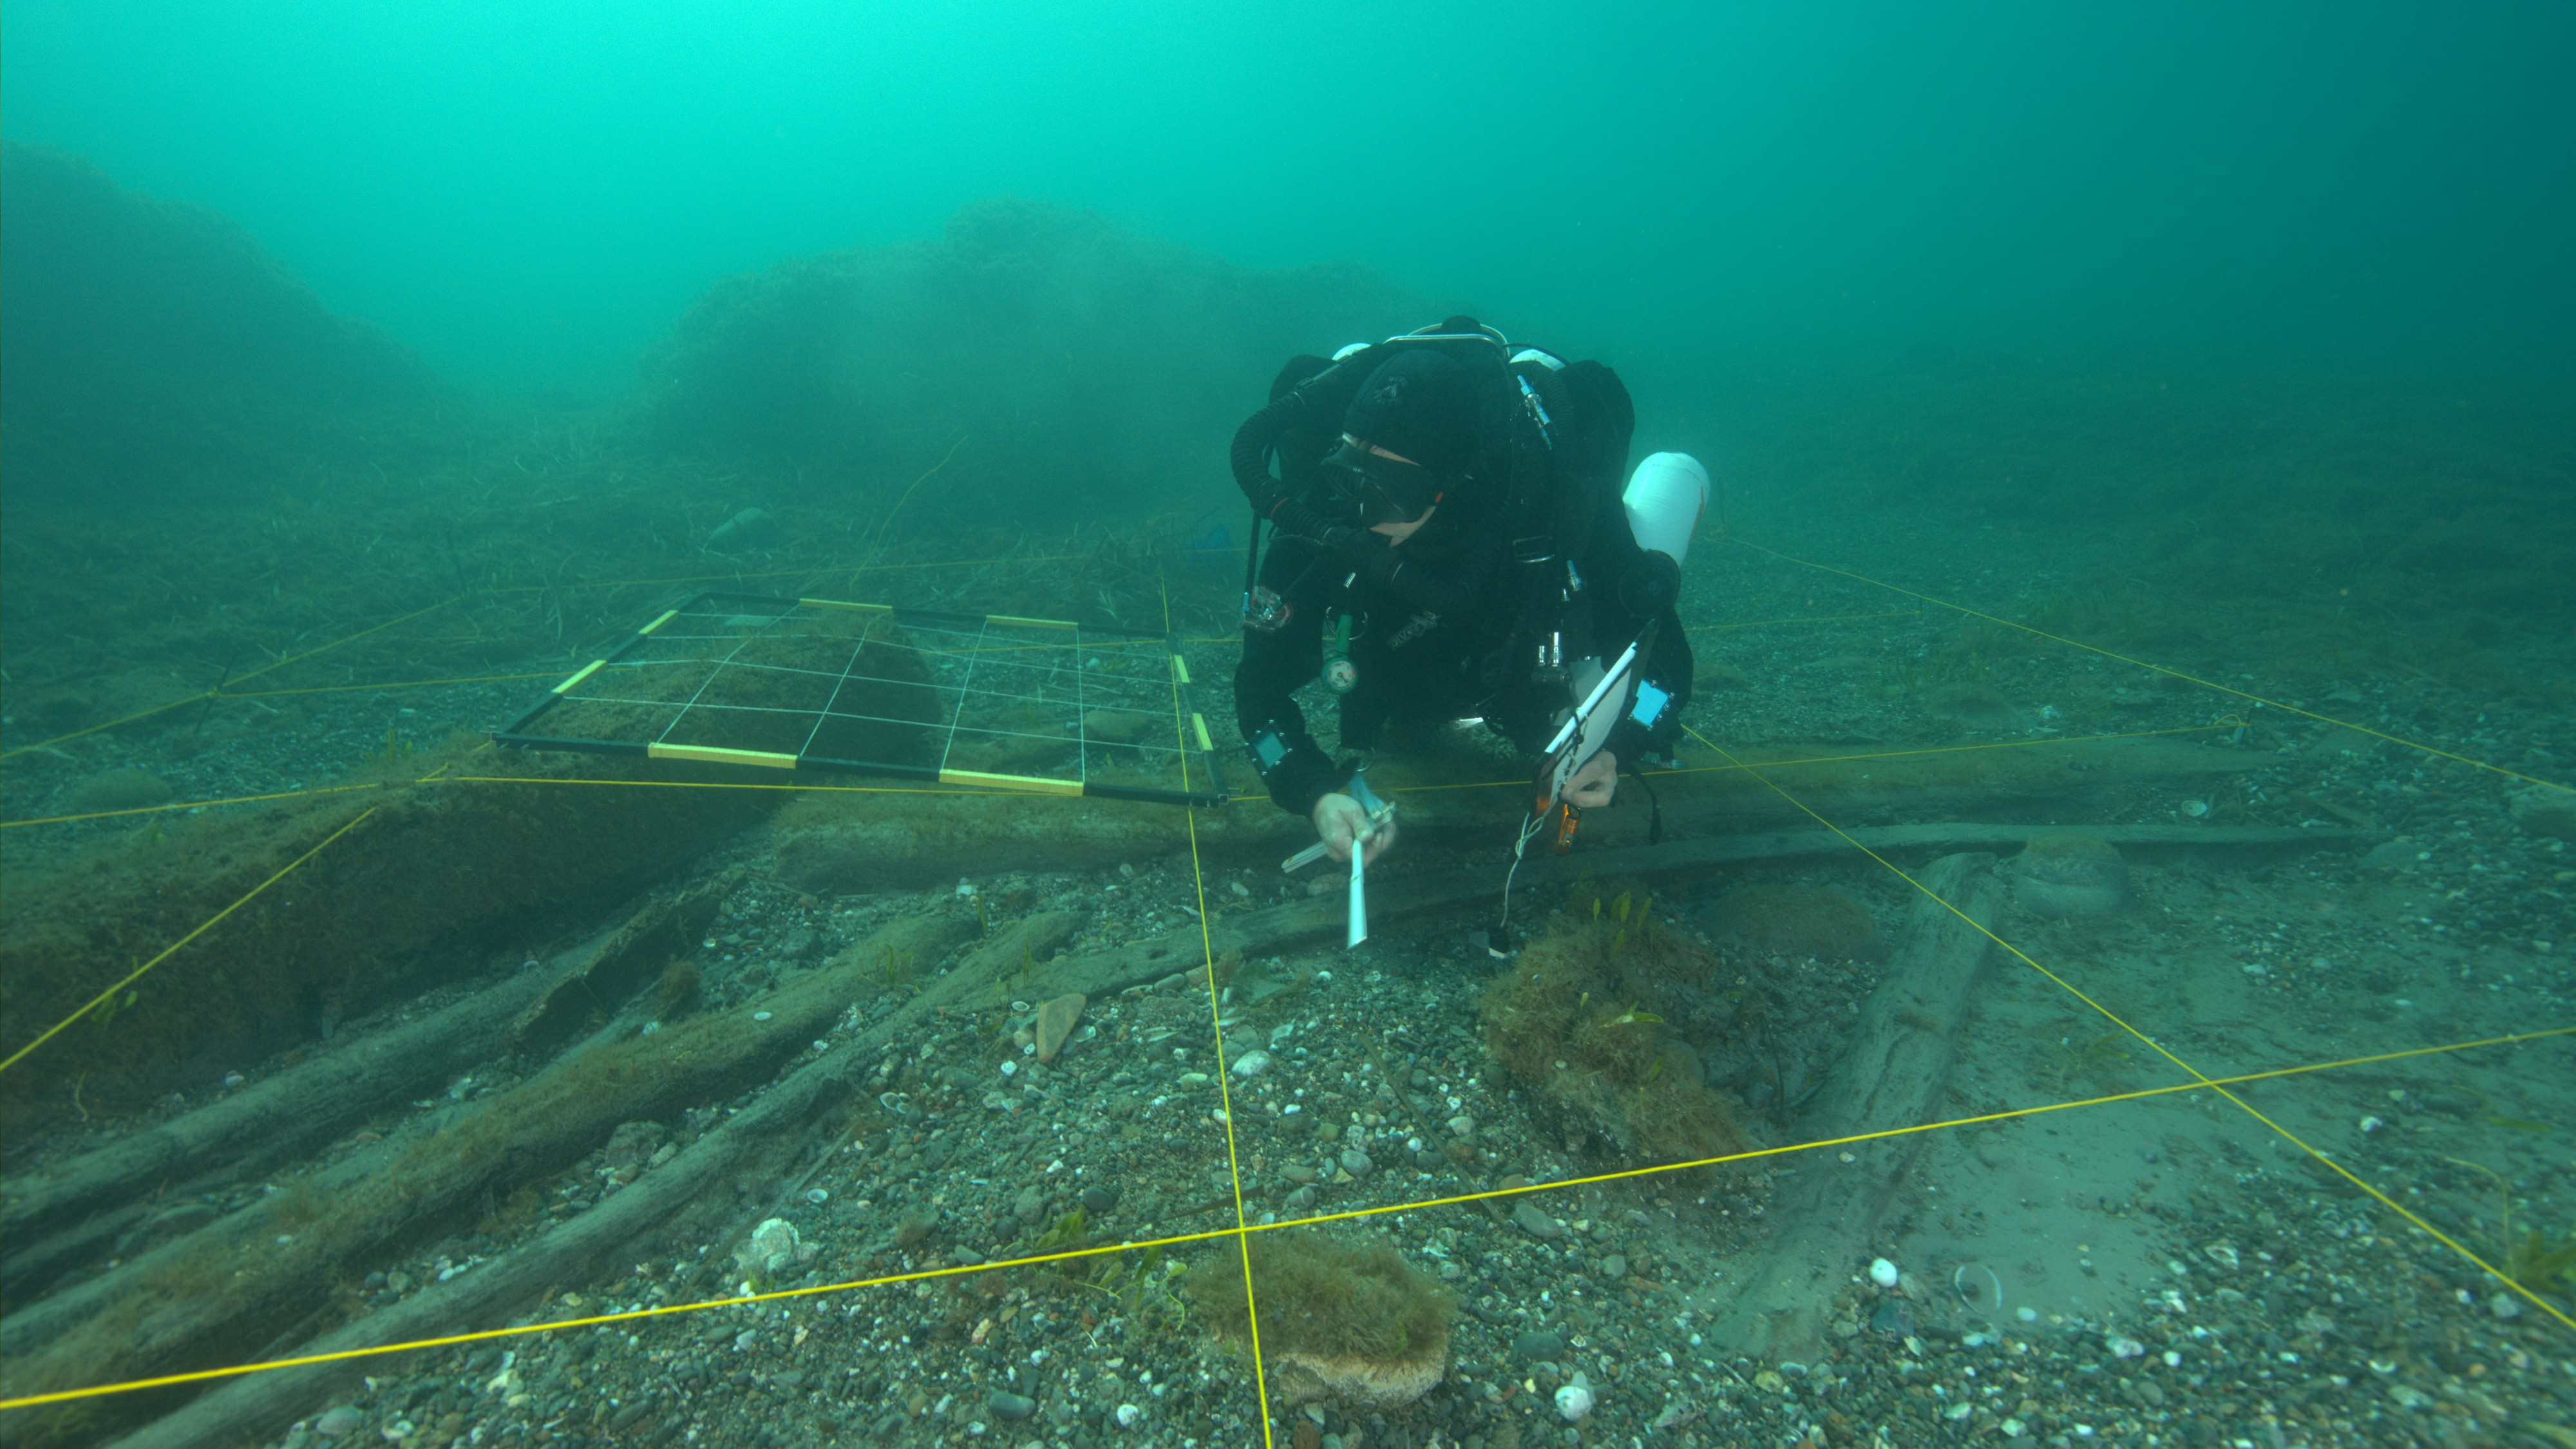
point(1972, 706)
point(128, 788)
point(1343, 1317)
point(2545, 811)
point(1825, 922)
point(2061, 876)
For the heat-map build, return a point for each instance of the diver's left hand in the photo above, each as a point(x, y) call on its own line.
point(1595, 783)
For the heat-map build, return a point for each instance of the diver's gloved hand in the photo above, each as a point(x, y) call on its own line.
point(1340, 820)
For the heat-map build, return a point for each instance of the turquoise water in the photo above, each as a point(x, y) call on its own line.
point(2143, 426)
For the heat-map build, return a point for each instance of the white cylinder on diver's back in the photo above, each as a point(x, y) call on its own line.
point(1665, 498)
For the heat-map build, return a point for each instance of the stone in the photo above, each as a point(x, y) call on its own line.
point(2544, 811)
point(773, 1246)
point(1251, 1064)
point(1014, 1407)
point(339, 1421)
point(750, 529)
point(1614, 1267)
point(1099, 1198)
point(1056, 1021)
point(1356, 1162)
point(915, 1226)
point(2391, 855)
point(1538, 1345)
point(1574, 1401)
point(2058, 877)
point(1536, 1223)
point(1883, 1273)
point(1030, 1205)
point(126, 788)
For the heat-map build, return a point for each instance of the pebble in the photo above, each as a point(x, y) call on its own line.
point(1462, 1126)
point(2504, 1305)
point(1008, 1405)
point(1099, 1198)
point(1539, 1344)
point(1574, 1401)
point(1252, 1064)
point(339, 1421)
point(1536, 1223)
point(1030, 1206)
point(1356, 1162)
point(1614, 1267)
point(1883, 1273)
point(817, 1196)
point(1127, 1416)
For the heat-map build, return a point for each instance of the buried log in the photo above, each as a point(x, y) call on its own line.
point(568, 1252)
point(772, 1130)
point(60, 1219)
point(194, 1302)
point(1891, 1076)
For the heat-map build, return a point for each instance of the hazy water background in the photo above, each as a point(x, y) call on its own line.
point(529, 194)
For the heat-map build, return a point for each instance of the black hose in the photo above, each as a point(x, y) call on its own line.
point(1250, 455)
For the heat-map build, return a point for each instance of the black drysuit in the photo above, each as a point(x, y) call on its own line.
point(1437, 628)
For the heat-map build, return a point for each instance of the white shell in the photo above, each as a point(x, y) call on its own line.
point(1574, 1401)
point(1882, 1273)
point(1128, 1414)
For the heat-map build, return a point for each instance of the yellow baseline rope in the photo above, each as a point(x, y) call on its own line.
point(2160, 669)
point(1178, 1239)
point(189, 805)
point(2160, 1049)
point(1216, 1028)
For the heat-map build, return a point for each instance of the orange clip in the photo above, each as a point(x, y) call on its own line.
point(1565, 828)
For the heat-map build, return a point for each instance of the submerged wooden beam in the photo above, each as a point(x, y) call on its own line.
point(1891, 1075)
point(60, 1218)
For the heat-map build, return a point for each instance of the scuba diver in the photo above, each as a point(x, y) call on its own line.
point(1450, 542)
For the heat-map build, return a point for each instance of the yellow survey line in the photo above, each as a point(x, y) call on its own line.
point(217, 693)
point(1216, 1028)
point(2160, 1049)
point(2160, 669)
point(1180, 1239)
point(1810, 619)
point(190, 805)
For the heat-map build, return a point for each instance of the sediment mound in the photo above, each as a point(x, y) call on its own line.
point(155, 345)
point(1077, 361)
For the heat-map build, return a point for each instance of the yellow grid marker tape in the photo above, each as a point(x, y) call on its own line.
point(1199, 722)
point(667, 616)
point(1030, 623)
point(1033, 783)
point(587, 670)
point(1181, 668)
point(713, 754)
point(838, 604)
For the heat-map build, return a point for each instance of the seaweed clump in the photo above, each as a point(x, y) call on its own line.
point(1343, 1317)
point(1590, 1021)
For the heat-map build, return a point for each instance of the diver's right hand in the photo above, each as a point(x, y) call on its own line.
point(1339, 820)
